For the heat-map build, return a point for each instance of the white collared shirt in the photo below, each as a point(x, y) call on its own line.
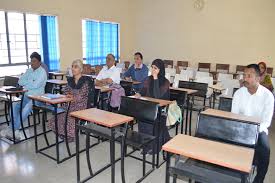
point(260, 105)
point(112, 73)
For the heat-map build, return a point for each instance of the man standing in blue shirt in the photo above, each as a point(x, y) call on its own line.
point(34, 81)
point(137, 72)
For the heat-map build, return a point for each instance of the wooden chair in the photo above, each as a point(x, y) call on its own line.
point(222, 68)
point(204, 66)
point(270, 71)
point(168, 63)
point(127, 64)
point(98, 69)
point(240, 68)
point(183, 64)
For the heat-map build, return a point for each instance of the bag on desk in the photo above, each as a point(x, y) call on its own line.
point(174, 114)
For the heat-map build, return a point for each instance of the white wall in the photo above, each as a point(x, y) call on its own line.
point(225, 31)
point(71, 12)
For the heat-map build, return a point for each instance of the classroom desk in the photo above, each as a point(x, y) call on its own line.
point(189, 92)
point(162, 104)
point(58, 83)
point(103, 91)
point(132, 81)
point(216, 90)
point(239, 158)
point(105, 119)
point(93, 76)
point(54, 75)
point(230, 115)
point(53, 107)
point(10, 99)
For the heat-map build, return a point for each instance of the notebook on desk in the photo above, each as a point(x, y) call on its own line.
point(52, 96)
point(12, 88)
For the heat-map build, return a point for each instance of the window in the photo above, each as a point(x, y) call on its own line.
point(20, 35)
point(99, 39)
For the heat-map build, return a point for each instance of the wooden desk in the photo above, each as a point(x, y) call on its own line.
point(103, 118)
point(162, 103)
point(226, 155)
point(133, 81)
point(188, 91)
point(216, 87)
point(57, 81)
point(230, 115)
point(40, 98)
point(10, 98)
point(103, 89)
point(53, 107)
point(90, 75)
point(56, 74)
point(216, 90)
point(3, 89)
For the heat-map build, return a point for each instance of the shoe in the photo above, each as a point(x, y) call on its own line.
point(8, 134)
point(146, 153)
point(3, 132)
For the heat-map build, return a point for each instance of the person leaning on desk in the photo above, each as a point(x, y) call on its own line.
point(34, 81)
point(109, 73)
point(253, 99)
point(137, 72)
point(156, 86)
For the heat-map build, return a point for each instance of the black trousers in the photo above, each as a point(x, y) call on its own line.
point(261, 157)
point(164, 136)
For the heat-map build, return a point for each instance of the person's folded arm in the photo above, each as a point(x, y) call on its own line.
point(115, 78)
point(37, 82)
point(23, 80)
point(236, 103)
point(267, 113)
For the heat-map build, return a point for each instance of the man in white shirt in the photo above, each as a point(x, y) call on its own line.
point(109, 73)
point(255, 100)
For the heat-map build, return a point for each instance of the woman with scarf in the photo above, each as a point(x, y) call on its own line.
point(265, 79)
point(156, 86)
point(81, 89)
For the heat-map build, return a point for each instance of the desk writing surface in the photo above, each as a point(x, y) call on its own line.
point(226, 155)
point(101, 117)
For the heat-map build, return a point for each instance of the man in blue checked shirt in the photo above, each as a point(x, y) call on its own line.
point(34, 80)
point(137, 72)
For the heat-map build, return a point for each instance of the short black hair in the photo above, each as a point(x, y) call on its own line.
point(112, 56)
point(36, 55)
point(255, 67)
point(140, 55)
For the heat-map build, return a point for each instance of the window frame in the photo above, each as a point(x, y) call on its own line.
point(27, 63)
point(118, 37)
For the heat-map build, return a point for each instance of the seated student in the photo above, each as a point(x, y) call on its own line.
point(109, 73)
point(255, 100)
point(81, 89)
point(156, 86)
point(34, 80)
point(265, 79)
point(137, 72)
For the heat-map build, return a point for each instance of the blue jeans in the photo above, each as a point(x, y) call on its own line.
point(26, 110)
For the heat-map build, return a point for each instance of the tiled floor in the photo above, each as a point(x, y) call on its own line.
point(19, 163)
